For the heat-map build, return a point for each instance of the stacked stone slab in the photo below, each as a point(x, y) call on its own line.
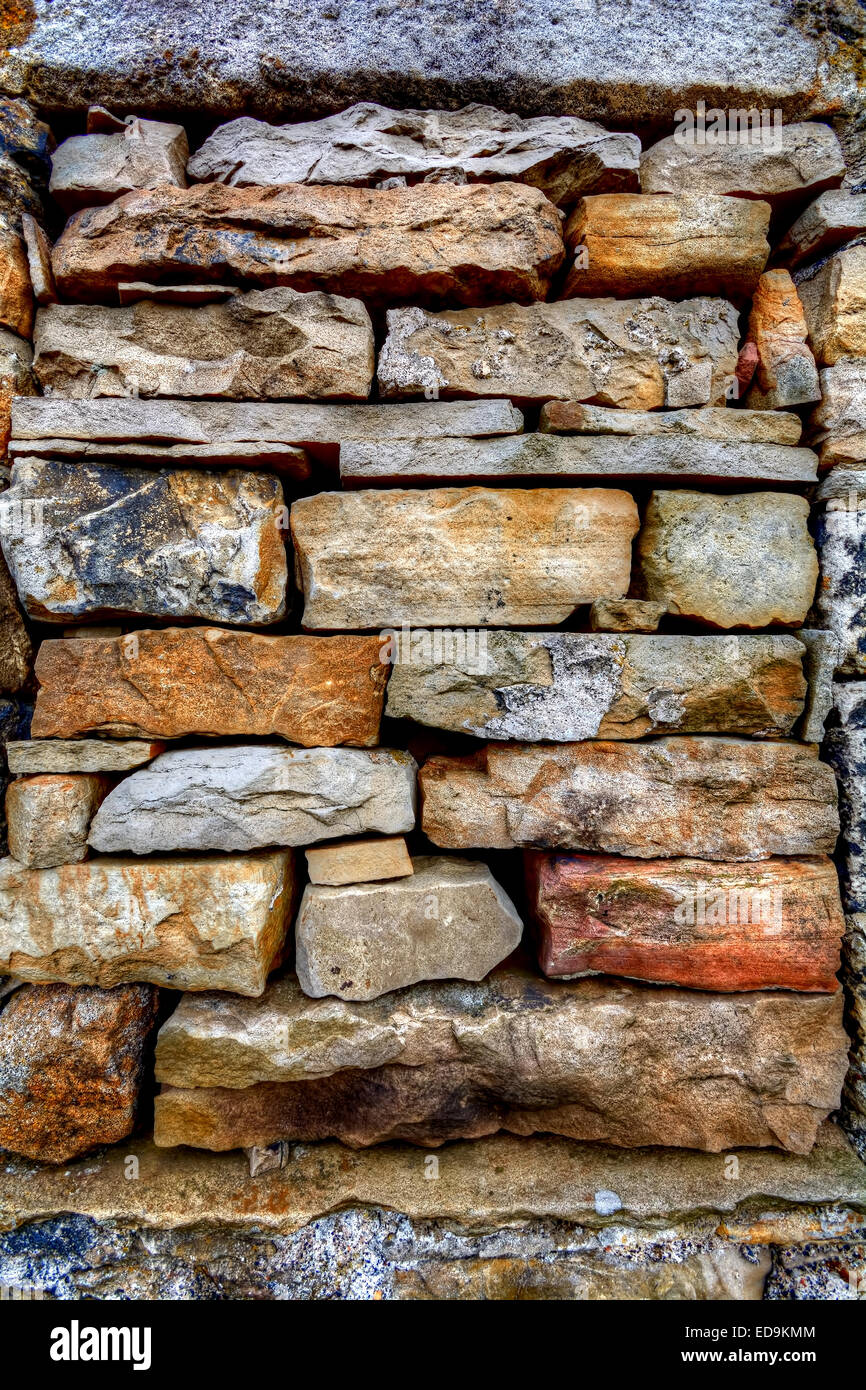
point(565, 553)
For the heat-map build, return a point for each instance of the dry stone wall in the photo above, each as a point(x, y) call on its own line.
point(433, 708)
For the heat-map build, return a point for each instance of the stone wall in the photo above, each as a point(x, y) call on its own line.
point(432, 667)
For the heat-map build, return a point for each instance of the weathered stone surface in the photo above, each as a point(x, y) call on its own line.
point(79, 755)
point(247, 797)
point(465, 556)
point(569, 686)
point(88, 170)
point(838, 423)
point(702, 798)
point(672, 244)
point(840, 533)
point(16, 649)
point(834, 218)
point(49, 817)
point(38, 249)
point(176, 681)
point(625, 615)
point(586, 1059)
point(834, 303)
point(783, 166)
point(618, 66)
point(16, 379)
point(212, 922)
point(359, 861)
point(845, 749)
point(434, 243)
point(72, 1063)
point(785, 370)
point(637, 354)
point(172, 544)
point(732, 561)
point(776, 925)
point(822, 656)
point(268, 343)
point(166, 429)
point(573, 456)
point(131, 291)
point(449, 920)
point(16, 295)
point(562, 155)
point(711, 423)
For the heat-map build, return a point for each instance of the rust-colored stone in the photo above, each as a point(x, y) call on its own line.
point(315, 691)
point(774, 925)
point(434, 243)
point(71, 1065)
point(16, 295)
point(785, 374)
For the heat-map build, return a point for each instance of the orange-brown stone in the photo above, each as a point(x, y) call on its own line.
point(315, 691)
point(786, 374)
point(16, 295)
point(72, 1063)
point(772, 925)
point(433, 243)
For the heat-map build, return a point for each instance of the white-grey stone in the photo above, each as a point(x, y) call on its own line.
point(840, 535)
point(564, 687)
point(87, 170)
point(368, 144)
point(573, 456)
point(837, 425)
point(834, 218)
point(235, 798)
point(449, 921)
point(822, 655)
point(845, 750)
point(769, 163)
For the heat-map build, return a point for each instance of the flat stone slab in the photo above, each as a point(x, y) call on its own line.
point(459, 556)
point(558, 456)
point(564, 156)
point(72, 1064)
point(586, 1058)
point(449, 920)
point(359, 861)
point(637, 354)
point(707, 422)
point(836, 216)
point(238, 798)
point(79, 755)
point(159, 429)
point(212, 922)
point(569, 686)
point(774, 925)
point(732, 560)
point(783, 165)
point(87, 170)
point(168, 683)
point(434, 243)
point(671, 243)
point(268, 343)
point(777, 1194)
point(48, 817)
point(90, 552)
point(704, 798)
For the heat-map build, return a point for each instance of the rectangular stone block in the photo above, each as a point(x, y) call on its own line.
point(549, 456)
point(459, 556)
point(774, 925)
point(86, 539)
point(49, 817)
point(564, 156)
point(834, 303)
point(637, 354)
point(668, 244)
point(359, 861)
point(268, 343)
point(315, 691)
point(609, 1062)
point(88, 170)
point(212, 922)
point(703, 798)
point(435, 243)
point(709, 422)
point(837, 425)
point(79, 755)
point(570, 686)
point(836, 216)
point(247, 797)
